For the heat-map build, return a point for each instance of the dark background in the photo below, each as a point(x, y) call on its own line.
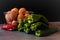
point(50, 9)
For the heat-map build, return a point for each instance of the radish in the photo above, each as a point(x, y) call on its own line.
point(7, 27)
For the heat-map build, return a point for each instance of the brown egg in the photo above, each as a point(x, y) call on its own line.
point(15, 10)
point(22, 11)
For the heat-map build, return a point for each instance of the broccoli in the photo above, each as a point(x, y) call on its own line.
point(38, 33)
point(38, 25)
point(20, 27)
point(32, 18)
point(26, 30)
point(45, 32)
point(44, 19)
point(52, 30)
point(20, 21)
point(35, 18)
point(24, 20)
point(35, 25)
point(27, 25)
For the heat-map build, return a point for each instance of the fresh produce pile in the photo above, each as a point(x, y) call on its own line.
point(29, 23)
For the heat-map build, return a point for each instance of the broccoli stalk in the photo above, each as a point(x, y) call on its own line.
point(45, 32)
point(44, 19)
point(38, 33)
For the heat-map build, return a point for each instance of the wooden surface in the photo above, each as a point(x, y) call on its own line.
point(15, 35)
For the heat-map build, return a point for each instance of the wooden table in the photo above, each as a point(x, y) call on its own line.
point(15, 35)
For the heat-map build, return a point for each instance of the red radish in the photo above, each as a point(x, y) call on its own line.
point(10, 29)
point(4, 26)
point(7, 26)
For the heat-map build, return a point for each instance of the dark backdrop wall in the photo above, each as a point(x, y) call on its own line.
point(50, 9)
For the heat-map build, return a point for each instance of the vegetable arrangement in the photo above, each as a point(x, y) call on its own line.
point(22, 20)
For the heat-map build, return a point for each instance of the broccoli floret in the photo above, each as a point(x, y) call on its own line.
point(25, 20)
point(35, 25)
point(33, 18)
point(38, 33)
point(20, 21)
point(20, 27)
point(27, 25)
point(26, 30)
